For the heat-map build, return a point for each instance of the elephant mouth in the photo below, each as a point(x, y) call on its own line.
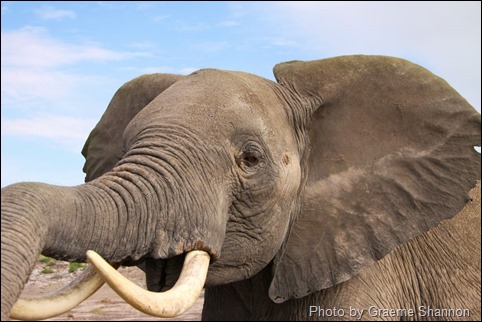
point(162, 274)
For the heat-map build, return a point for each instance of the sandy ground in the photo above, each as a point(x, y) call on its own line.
point(104, 305)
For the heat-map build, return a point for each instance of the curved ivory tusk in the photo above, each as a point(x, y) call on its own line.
point(59, 301)
point(166, 304)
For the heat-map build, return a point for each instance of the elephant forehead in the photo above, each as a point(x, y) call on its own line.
point(219, 100)
point(221, 90)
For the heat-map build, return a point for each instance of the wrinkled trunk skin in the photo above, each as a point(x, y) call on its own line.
point(64, 222)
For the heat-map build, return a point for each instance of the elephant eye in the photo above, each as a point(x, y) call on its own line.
point(250, 157)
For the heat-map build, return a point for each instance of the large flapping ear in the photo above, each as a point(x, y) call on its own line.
point(103, 147)
point(392, 154)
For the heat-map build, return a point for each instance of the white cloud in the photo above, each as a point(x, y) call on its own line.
point(31, 90)
point(70, 132)
point(25, 84)
point(444, 37)
point(382, 26)
point(34, 47)
point(34, 66)
point(50, 13)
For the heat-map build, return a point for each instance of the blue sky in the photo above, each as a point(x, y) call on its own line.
point(61, 62)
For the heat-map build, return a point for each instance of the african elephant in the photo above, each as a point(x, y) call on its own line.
point(334, 193)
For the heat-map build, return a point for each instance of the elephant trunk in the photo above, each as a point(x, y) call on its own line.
point(64, 222)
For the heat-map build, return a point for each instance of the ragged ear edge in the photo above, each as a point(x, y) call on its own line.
point(391, 154)
point(103, 147)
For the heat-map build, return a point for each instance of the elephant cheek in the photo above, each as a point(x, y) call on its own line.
point(244, 252)
point(242, 260)
point(229, 268)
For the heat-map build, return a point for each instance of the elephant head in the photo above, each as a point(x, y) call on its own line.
point(317, 176)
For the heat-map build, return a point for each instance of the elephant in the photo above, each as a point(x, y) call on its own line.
point(349, 188)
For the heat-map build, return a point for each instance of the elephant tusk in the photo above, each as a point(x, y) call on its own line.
point(166, 304)
point(59, 301)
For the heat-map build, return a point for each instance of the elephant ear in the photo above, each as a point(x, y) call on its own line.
point(390, 153)
point(103, 147)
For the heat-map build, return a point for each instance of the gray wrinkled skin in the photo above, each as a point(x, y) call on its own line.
point(341, 187)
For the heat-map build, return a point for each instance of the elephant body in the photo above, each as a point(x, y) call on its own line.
point(336, 190)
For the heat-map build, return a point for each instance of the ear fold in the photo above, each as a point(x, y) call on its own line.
point(391, 154)
point(103, 147)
